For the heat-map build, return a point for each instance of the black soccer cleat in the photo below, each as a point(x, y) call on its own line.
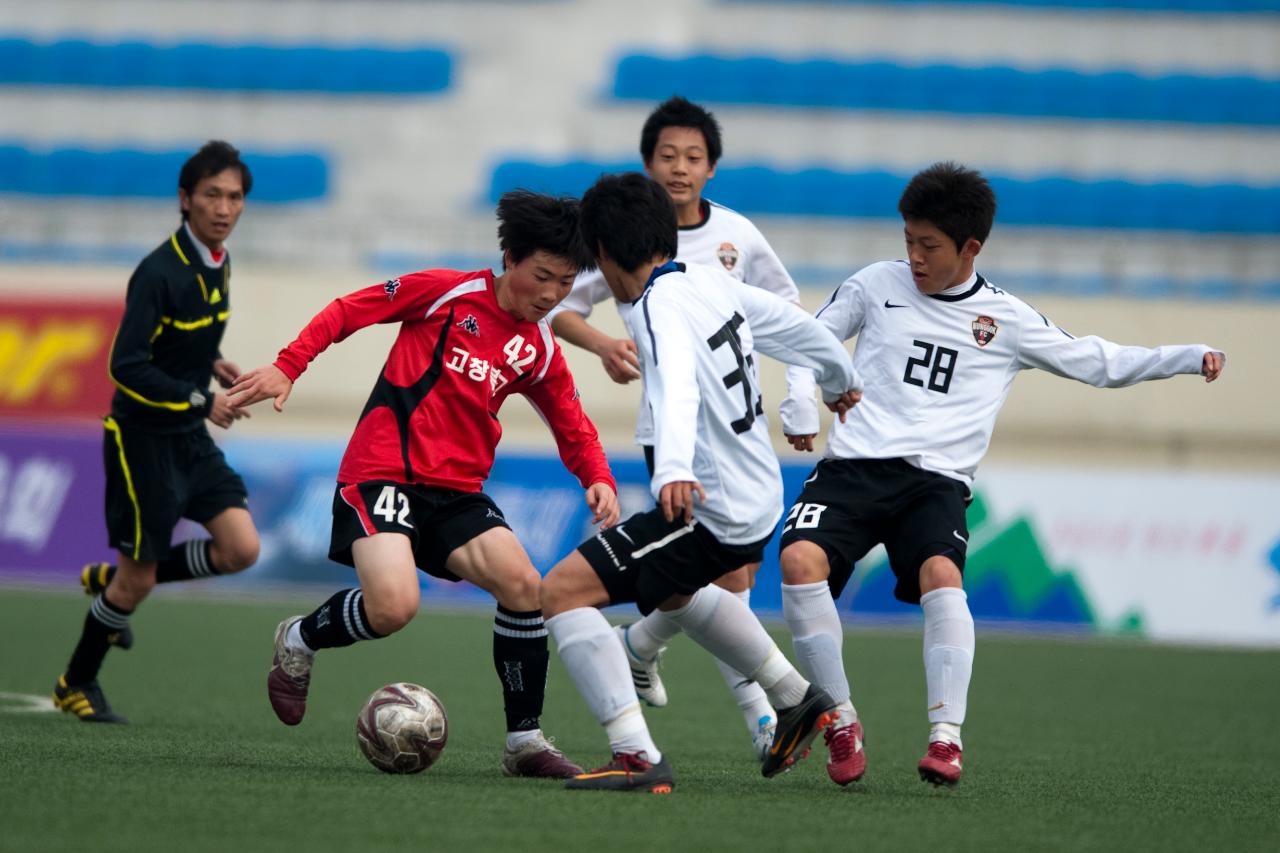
point(85, 701)
point(797, 727)
point(95, 577)
point(627, 772)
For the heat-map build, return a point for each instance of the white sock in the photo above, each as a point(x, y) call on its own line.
point(293, 639)
point(750, 696)
point(515, 740)
point(598, 666)
point(724, 626)
point(948, 658)
point(818, 638)
point(647, 637)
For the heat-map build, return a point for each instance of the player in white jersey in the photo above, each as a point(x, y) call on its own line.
point(939, 346)
point(697, 334)
point(680, 146)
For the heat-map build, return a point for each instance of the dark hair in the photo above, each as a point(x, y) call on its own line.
point(213, 157)
point(680, 112)
point(957, 200)
point(529, 222)
point(631, 218)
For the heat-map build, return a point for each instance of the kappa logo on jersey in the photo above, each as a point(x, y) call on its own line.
point(728, 255)
point(392, 285)
point(470, 324)
point(984, 330)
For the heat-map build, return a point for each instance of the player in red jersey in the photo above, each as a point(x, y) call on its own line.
point(409, 487)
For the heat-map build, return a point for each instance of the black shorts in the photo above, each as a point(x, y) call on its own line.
point(437, 521)
point(647, 559)
point(848, 506)
point(154, 479)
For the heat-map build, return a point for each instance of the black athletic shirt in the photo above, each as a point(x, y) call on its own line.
point(162, 358)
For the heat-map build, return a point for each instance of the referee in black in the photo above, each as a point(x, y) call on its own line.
point(160, 462)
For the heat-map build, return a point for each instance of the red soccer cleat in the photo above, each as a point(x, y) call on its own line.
point(846, 761)
point(941, 764)
point(289, 678)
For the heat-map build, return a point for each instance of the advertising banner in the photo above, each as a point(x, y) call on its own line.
point(1182, 557)
point(53, 356)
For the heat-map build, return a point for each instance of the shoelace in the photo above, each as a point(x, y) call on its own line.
point(630, 763)
point(943, 751)
point(840, 742)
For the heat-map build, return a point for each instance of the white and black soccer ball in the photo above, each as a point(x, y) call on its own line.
point(402, 728)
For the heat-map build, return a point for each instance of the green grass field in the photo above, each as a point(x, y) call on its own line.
point(1070, 745)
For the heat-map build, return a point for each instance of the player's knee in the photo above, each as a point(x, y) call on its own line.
point(804, 562)
point(553, 595)
point(520, 589)
point(389, 612)
point(939, 572)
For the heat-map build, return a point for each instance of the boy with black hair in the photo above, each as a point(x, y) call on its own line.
point(945, 346)
point(161, 464)
point(697, 332)
point(409, 488)
point(680, 146)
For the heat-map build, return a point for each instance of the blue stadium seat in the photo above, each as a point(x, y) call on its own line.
point(337, 70)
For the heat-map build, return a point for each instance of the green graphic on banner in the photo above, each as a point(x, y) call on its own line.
point(1007, 576)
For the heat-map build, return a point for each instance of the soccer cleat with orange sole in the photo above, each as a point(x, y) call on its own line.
point(627, 772)
point(797, 727)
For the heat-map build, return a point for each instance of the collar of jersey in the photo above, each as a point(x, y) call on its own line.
point(704, 208)
point(206, 257)
point(669, 266)
point(979, 281)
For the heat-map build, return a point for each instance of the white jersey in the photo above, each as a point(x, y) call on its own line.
point(725, 239)
point(938, 368)
point(697, 333)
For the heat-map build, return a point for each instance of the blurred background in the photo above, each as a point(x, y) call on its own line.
point(1134, 147)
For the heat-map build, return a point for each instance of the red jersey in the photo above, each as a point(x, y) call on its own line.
point(433, 415)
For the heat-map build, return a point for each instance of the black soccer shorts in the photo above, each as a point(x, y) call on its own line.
point(436, 520)
point(848, 506)
point(154, 479)
point(647, 559)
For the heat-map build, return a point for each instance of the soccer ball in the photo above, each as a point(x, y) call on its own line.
point(402, 728)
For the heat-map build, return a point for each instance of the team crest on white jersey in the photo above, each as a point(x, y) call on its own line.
point(469, 324)
point(392, 285)
point(728, 255)
point(984, 329)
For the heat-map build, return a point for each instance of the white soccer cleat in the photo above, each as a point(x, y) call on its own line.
point(763, 738)
point(644, 673)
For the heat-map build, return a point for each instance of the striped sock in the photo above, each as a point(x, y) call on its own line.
point(520, 657)
point(340, 621)
point(187, 561)
point(103, 619)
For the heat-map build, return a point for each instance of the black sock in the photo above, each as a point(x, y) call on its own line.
point(520, 657)
point(186, 561)
point(338, 622)
point(103, 619)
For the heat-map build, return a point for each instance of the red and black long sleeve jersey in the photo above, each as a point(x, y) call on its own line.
point(433, 415)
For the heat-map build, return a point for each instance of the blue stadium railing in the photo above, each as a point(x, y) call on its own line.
point(846, 84)
point(322, 69)
point(1048, 201)
point(298, 176)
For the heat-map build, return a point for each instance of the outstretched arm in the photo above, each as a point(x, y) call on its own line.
point(1104, 364)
